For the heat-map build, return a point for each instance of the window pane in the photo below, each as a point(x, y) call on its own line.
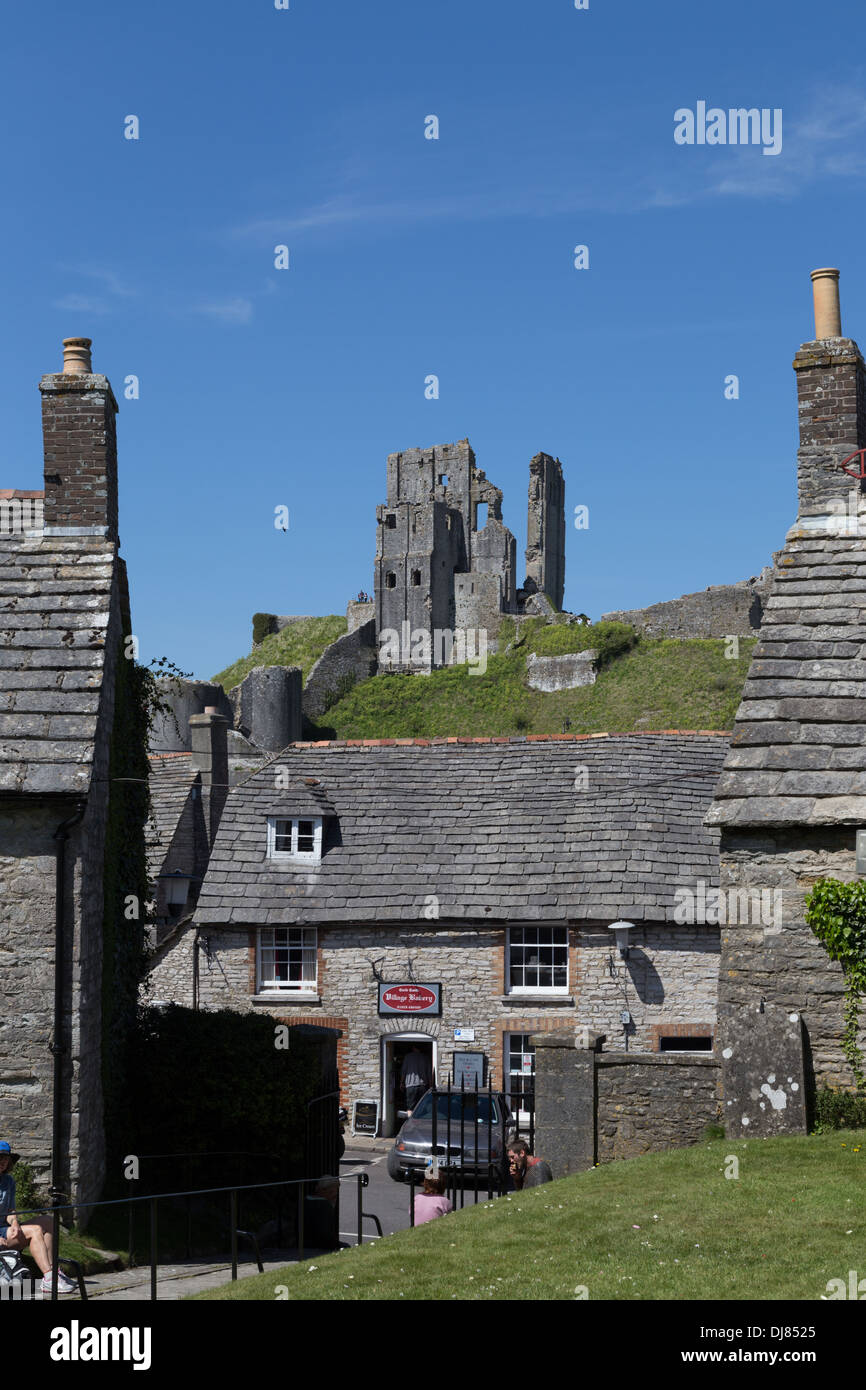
point(306, 837)
point(283, 837)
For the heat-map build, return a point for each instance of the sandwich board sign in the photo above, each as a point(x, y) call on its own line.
point(365, 1116)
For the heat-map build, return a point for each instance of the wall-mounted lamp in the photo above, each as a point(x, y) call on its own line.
point(621, 931)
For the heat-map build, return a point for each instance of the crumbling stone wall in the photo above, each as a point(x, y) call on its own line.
point(353, 657)
point(723, 610)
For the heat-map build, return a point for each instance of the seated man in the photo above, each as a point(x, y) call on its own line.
point(35, 1231)
point(525, 1170)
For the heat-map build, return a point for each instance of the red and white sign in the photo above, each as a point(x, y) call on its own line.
point(409, 999)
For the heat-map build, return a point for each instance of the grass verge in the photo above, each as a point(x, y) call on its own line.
point(664, 1226)
point(299, 644)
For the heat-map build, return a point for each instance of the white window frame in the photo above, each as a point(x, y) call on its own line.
point(555, 991)
point(526, 1050)
point(294, 855)
point(309, 944)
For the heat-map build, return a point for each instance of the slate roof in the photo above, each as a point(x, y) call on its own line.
point(798, 750)
point(171, 777)
point(496, 829)
point(55, 603)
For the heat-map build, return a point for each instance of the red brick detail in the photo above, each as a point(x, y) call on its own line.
point(679, 1030)
point(328, 1021)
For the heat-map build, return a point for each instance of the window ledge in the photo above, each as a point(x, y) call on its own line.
point(555, 1001)
point(286, 997)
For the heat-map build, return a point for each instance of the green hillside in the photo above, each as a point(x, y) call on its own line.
point(643, 683)
point(299, 644)
point(658, 683)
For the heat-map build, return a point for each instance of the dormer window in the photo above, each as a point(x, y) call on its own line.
point(298, 840)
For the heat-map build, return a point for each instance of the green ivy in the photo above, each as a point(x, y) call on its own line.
point(836, 913)
point(140, 696)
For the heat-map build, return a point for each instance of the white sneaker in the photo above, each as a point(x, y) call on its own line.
point(64, 1284)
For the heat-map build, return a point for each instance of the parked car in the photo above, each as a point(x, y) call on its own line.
point(485, 1114)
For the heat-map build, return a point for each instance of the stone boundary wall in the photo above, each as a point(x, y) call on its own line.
point(648, 1102)
point(594, 1106)
point(352, 658)
point(723, 610)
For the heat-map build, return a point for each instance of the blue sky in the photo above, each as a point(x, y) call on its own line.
point(262, 387)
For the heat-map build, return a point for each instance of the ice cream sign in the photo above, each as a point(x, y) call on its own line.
point(410, 999)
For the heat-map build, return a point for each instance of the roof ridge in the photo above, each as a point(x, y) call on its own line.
point(451, 739)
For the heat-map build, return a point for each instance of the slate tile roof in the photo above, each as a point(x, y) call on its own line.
point(172, 777)
point(55, 603)
point(798, 750)
point(533, 829)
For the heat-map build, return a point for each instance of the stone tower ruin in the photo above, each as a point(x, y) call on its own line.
point(545, 530)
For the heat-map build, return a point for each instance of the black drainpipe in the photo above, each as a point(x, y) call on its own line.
point(58, 1049)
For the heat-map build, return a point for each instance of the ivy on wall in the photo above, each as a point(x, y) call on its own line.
point(836, 914)
point(139, 699)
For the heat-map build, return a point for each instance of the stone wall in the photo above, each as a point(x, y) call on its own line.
point(789, 968)
point(27, 869)
point(182, 699)
point(646, 1104)
point(565, 672)
point(350, 659)
point(723, 610)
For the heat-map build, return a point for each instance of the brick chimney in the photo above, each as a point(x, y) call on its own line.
point(80, 446)
point(208, 733)
point(831, 393)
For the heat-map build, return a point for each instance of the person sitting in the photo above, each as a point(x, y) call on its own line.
point(525, 1170)
point(431, 1200)
point(35, 1231)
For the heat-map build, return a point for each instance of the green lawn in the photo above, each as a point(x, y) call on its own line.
point(664, 1226)
point(299, 644)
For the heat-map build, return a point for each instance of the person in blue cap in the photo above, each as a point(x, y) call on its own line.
point(35, 1232)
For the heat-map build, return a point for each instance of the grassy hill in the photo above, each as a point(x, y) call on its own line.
point(643, 683)
point(299, 644)
point(665, 1226)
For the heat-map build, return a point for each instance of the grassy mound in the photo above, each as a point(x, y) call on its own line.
point(643, 683)
point(666, 1226)
point(299, 644)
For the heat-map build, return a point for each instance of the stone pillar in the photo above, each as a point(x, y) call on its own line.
point(80, 448)
point(269, 706)
point(763, 1073)
point(831, 392)
point(565, 1100)
point(545, 530)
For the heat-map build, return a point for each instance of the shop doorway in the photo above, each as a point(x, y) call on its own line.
point(395, 1047)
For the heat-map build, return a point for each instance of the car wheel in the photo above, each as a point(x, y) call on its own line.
point(393, 1164)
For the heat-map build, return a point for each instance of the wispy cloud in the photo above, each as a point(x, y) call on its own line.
point(108, 289)
point(238, 309)
point(826, 141)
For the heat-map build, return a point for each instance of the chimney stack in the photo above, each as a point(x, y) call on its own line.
point(80, 447)
point(831, 393)
point(208, 733)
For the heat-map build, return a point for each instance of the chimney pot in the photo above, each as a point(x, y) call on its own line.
point(76, 356)
point(825, 290)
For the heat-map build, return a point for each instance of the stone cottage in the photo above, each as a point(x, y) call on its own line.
point(791, 801)
point(458, 894)
point(65, 611)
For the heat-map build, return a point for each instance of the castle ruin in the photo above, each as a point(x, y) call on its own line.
point(446, 563)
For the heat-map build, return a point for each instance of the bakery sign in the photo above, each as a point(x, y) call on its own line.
point(409, 998)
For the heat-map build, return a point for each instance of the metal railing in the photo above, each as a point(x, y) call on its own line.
point(235, 1230)
point(459, 1161)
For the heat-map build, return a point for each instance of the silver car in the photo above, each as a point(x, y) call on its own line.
point(486, 1119)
